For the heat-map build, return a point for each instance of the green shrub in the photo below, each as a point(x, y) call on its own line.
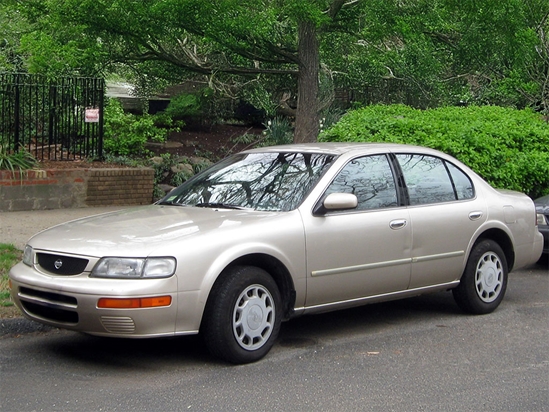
point(127, 134)
point(509, 148)
point(163, 120)
point(184, 105)
point(16, 161)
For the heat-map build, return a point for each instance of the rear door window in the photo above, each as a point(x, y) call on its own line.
point(430, 179)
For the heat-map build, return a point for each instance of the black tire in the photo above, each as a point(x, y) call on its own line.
point(243, 315)
point(484, 280)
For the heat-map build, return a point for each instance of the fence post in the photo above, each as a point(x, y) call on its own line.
point(16, 114)
point(101, 118)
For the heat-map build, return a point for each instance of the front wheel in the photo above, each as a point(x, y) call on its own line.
point(484, 280)
point(243, 315)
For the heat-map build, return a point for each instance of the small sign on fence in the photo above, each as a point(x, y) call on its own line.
point(92, 115)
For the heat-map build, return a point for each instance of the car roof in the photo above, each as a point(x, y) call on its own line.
point(542, 202)
point(343, 148)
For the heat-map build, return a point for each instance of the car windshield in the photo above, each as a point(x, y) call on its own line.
point(260, 181)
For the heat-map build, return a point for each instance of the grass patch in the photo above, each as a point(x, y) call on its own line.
point(9, 256)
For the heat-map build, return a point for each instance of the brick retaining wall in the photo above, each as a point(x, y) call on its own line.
point(69, 188)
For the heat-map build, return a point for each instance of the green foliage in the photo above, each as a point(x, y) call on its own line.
point(12, 24)
point(507, 147)
point(9, 257)
point(441, 52)
point(16, 161)
point(258, 96)
point(164, 121)
point(184, 105)
point(425, 53)
point(330, 116)
point(277, 131)
point(127, 134)
point(124, 160)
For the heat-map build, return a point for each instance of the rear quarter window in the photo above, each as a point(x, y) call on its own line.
point(462, 183)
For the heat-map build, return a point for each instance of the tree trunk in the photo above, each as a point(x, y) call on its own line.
point(306, 121)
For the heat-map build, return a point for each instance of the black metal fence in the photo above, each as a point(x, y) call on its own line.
point(56, 120)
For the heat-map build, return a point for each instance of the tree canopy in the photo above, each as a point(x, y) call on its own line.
point(443, 51)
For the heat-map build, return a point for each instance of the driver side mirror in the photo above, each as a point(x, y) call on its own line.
point(336, 201)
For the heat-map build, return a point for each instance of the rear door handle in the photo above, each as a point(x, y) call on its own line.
point(397, 224)
point(475, 215)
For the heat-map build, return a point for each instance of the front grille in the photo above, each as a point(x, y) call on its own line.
point(48, 305)
point(61, 265)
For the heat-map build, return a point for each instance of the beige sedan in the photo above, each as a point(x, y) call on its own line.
point(273, 233)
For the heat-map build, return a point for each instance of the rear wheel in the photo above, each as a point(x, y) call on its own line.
point(484, 280)
point(242, 317)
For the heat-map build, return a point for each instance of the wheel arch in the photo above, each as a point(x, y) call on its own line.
point(276, 269)
point(503, 240)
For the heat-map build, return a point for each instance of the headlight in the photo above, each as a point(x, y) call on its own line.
point(27, 256)
point(541, 219)
point(134, 268)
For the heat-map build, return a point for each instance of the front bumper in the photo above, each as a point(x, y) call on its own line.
point(70, 302)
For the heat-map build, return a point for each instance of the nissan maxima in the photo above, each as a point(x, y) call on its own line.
point(273, 233)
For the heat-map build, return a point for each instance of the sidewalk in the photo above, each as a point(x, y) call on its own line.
point(17, 227)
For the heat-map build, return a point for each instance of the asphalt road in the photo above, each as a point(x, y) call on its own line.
point(418, 354)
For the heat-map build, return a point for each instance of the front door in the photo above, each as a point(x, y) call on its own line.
point(365, 251)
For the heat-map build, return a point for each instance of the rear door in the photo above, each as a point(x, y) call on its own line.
point(444, 215)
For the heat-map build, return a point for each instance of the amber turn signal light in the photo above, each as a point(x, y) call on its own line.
point(134, 303)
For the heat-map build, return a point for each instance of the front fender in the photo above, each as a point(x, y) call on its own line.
point(282, 239)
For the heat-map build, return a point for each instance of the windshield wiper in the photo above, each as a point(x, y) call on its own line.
point(170, 203)
point(218, 205)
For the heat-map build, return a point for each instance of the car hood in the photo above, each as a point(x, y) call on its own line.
point(542, 205)
point(140, 231)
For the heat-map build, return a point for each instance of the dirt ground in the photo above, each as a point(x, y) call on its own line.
point(213, 142)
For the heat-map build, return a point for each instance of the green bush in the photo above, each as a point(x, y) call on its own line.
point(127, 134)
point(507, 147)
point(184, 105)
point(16, 161)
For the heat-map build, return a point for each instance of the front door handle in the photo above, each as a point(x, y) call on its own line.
point(397, 224)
